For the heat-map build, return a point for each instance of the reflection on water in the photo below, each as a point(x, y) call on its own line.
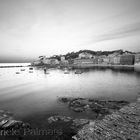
point(28, 93)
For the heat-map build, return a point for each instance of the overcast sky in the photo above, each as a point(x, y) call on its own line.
point(30, 28)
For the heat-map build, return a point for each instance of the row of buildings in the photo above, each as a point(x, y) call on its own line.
point(46, 61)
point(85, 58)
point(112, 59)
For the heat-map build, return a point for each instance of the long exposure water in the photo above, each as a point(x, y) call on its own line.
point(34, 95)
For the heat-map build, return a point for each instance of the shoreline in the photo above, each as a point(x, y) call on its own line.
point(79, 66)
point(136, 67)
point(102, 65)
point(78, 128)
point(122, 124)
point(92, 65)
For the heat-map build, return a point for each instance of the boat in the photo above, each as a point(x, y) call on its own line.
point(30, 68)
point(17, 72)
point(78, 72)
point(58, 67)
point(30, 71)
point(46, 71)
point(22, 70)
point(66, 72)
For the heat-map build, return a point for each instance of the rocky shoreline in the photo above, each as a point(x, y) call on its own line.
point(99, 107)
point(123, 124)
point(115, 120)
point(10, 127)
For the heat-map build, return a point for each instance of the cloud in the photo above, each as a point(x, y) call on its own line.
point(122, 32)
point(128, 30)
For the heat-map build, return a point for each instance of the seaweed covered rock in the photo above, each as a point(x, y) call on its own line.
point(11, 127)
point(65, 99)
point(72, 125)
point(59, 118)
point(99, 107)
point(77, 124)
point(120, 125)
point(78, 109)
point(79, 102)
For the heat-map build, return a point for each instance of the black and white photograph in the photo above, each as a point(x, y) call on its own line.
point(69, 69)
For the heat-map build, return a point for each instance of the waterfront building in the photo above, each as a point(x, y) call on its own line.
point(106, 60)
point(115, 60)
point(54, 61)
point(83, 61)
point(50, 61)
point(95, 60)
point(100, 60)
point(62, 58)
point(137, 58)
point(46, 60)
point(64, 63)
point(37, 62)
point(127, 59)
point(85, 55)
point(70, 61)
point(103, 59)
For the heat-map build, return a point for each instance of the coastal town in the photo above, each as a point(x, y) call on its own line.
point(88, 58)
point(69, 70)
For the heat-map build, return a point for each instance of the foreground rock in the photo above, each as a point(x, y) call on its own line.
point(77, 124)
point(74, 124)
point(59, 118)
point(99, 107)
point(7, 122)
point(120, 125)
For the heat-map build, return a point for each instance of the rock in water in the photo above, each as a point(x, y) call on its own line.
point(65, 99)
point(2, 122)
point(120, 125)
point(7, 122)
point(59, 118)
point(77, 124)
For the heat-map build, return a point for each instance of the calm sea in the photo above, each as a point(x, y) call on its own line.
point(14, 64)
point(34, 95)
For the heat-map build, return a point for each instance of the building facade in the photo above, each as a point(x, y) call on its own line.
point(115, 60)
point(46, 61)
point(62, 58)
point(35, 63)
point(85, 55)
point(137, 58)
point(127, 59)
point(83, 61)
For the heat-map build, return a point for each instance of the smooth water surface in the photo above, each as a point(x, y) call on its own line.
point(26, 93)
